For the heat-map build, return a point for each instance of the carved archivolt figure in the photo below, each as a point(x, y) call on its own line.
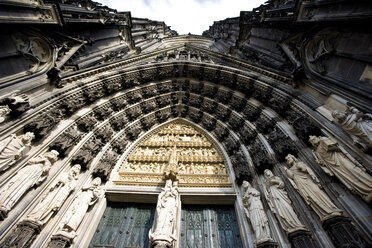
point(4, 111)
point(255, 213)
point(357, 124)
point(335, 161)
point(164, 227)
point(87, 197)
point(29, 176)
point(14, 148)
point(308, 185)
point(54, 197)
point(280, 204)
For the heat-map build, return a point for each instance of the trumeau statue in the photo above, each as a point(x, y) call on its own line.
point(280, 203)
point(335, 161)
point(307, 184)
point(357, 124)
point(75, 214)
point(14, 148)
point(164, 227)
point(33, 174)
point(255, 213)
point(54, 197)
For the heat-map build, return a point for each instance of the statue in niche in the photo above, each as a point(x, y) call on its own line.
point(33, 174)
point(14, 148)
point(75, 214)
point(255, 213)
point(280, 203)
point(335, 161)
point(357, 124)
point(307, 184)
point(54, 197)
point(164, 229)
point(4, 111)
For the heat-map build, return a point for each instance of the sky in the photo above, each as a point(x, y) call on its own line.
point(184, 16)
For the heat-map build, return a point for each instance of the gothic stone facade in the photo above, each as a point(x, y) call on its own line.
point(86, 92)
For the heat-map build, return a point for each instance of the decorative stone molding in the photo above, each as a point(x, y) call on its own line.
point(260, 158)
point(281, 144)
point(87, 152)
point(241, 168)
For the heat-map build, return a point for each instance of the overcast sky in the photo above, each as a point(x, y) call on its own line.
point(184, 16)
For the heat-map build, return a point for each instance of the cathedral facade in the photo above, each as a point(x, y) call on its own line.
point(118, 132)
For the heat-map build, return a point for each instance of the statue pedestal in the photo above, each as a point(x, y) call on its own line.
point(301, 239)
point(267, 244)
point(343, 233)
point(61, 240)
point(23, 235)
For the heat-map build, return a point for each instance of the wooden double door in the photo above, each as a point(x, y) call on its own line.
point(127, 226)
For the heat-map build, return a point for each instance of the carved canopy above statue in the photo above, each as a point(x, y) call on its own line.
point(178, 151)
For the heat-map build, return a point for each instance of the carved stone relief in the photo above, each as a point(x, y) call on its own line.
point(178, 151)
point(14, 148)
point(32, 175)
point(336, 161)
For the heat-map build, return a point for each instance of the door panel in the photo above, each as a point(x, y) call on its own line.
point(124, 225)
point(209, 227)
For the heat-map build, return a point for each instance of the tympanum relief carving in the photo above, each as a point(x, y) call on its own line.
point(177, 152)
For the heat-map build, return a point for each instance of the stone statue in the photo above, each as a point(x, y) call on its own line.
point(54, 197)
point(335, 161)
point(14, 148)
point(357, 124)
point(4, 111)
point(171, 169)
point(280, 203)
point(33, 174)
point(307, 184)
point(87, 197)
point(255, 213)
point(164, 227)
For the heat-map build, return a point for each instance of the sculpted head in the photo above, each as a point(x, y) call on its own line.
point(291, 160)
point(168, 183)
point(27, 137)
point(96, 181)
point(268, 173)
point(314, 140)
point(338, 115)
point(52, 156)
point(246, 185)
point(75, 170)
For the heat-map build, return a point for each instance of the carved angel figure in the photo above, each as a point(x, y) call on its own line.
point(357, 124)
point(54, 197)
point(14, 148)
point(307, 184)
point(280, 203)
point(255, 213)
point(335, 161)
point(164, 227)
point(33, 174)
point(87, 197)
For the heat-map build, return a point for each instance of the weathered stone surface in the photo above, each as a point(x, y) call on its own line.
point(261, 160)
point(241, 168)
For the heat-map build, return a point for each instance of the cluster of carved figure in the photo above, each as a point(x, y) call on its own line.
point(33, 174)
point(334, 160)
point(171, 153)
